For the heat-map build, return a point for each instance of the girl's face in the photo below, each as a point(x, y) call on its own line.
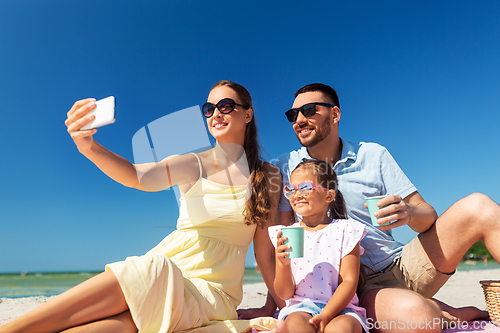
point(229, 127)
point(316, 202)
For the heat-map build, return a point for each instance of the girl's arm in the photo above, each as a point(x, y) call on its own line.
point(348, 281)
point(147, 177)
point(263, 248)
point(283, 283)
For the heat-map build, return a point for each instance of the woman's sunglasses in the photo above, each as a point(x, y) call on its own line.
point(225, 106)
point(304, 189)
point(308, 110)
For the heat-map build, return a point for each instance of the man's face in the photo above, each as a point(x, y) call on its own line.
point(312, 130)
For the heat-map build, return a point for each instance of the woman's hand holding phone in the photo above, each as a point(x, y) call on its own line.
point(83, 117)
point(77, 118)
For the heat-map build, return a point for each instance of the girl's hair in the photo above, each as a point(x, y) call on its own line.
point(326, 177)
point(258, 206)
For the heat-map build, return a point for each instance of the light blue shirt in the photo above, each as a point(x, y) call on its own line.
point(364, 170)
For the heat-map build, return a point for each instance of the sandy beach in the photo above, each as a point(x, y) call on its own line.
point(462, 289)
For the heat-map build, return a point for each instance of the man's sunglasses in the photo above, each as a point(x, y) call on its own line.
point(304, 189)
point(308, 110)
point(225, 106)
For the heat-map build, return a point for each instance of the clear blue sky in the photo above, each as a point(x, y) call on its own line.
point(419, 77)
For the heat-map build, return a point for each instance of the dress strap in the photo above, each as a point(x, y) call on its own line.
point(199, 163)
point(215, 161)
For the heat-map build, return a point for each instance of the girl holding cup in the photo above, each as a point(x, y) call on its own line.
point(320, 288)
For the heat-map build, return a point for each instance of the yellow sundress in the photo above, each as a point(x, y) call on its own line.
point(192, 280)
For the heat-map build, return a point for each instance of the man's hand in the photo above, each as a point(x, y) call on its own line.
point(397, 210)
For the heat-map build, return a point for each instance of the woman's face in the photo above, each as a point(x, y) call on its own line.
point(228, 127)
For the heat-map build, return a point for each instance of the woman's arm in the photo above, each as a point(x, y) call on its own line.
point(283, 218)
point(147, 177)
point(348, 281)
point(263, 248)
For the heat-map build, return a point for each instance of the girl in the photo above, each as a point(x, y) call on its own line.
point(320, 288)
point(194, 276)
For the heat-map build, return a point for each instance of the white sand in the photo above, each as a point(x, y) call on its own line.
point(11, 308)
point(461, 290)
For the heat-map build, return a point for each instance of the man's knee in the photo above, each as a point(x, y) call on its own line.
point(400, 310)
point(402, 301)
point(480, 208)
point(415, 307)
point(477, 201)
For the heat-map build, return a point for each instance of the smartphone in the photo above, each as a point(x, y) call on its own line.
point(105, 113)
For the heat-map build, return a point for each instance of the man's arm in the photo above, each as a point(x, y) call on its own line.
point(413, 210)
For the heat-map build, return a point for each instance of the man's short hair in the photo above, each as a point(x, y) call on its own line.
point(327, 90)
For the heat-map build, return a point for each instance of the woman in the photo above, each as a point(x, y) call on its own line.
point(194, 276)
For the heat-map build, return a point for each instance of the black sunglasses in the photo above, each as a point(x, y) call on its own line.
point(225, 106)
point(308, 110)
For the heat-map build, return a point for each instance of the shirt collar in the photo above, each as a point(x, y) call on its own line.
point(348, 152)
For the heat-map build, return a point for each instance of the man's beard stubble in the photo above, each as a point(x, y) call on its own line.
point(318, 135)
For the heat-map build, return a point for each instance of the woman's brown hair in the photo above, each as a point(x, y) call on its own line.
point(258, 206)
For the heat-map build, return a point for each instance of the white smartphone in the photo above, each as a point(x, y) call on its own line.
point(105, 113)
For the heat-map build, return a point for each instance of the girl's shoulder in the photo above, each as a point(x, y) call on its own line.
point(352, 233)
point(347, 224)
point(346, 221)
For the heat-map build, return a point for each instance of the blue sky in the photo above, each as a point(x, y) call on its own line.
point(419, 77)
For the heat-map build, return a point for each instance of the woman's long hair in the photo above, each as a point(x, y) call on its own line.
point(327, 178)
point(258, 206)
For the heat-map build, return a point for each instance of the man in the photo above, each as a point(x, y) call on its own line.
point(367, 169)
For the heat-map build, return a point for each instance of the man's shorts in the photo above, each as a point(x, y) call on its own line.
point(413, 271)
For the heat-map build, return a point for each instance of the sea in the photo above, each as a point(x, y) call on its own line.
point(27, 284)
point(17, 285)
